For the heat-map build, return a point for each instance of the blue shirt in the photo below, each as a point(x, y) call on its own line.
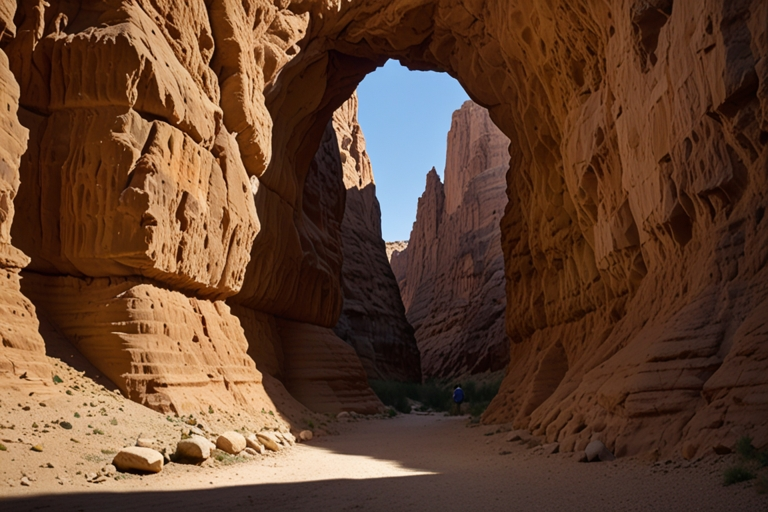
point(458, 395)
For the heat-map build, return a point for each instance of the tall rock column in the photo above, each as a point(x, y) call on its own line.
point(452, 272)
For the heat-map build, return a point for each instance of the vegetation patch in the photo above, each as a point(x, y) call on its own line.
point(226, 459)
point(751, 466)
point(435, 395)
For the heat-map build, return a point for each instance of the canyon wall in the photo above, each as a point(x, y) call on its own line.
point(373, 317)
point(169, 168)
point(451, 275)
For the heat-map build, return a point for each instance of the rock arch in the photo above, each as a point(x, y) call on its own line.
point(633, 234)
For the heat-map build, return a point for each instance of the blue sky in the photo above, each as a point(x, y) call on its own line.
point(405, 116)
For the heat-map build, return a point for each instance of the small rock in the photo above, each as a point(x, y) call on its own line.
point(252, 443)
point(251, 452)
point(550, 448)
point(65, 425)
point(231, 442)
point(138, 459)
point(25, 481)
point(504, 452)
point(49, 465)
point(721, 449)
point(269, 440)
point(194, 431)
point(518, 435)
point(596, 450)
point(37, 448)
point(342, 415)
point(306, 435)
point(289, 438)
point(90, 476)
point(194, 449)
point(99, 479)
point(108, 470)
point(145, 442)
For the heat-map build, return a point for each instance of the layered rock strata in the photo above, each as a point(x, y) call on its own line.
point(373, 318)
point(451, 275)
point(634, 239)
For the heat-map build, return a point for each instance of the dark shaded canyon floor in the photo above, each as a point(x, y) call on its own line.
point(414, 463)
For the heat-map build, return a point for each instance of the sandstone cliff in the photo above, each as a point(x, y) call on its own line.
point(373, 317)
point(452, 273)
point(171, 145)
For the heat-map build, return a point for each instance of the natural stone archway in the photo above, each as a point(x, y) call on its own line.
point(634, 235)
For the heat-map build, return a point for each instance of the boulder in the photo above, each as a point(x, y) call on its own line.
point(196, 449)
point(252, 442)
point(306, 435)
point(596, 450)
point(289, 438)
point(137, 458)
point(231, 442)
point(269, 440)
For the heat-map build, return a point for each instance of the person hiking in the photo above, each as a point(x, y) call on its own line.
point(458, 397)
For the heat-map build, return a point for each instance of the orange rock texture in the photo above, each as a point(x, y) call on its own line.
point(373, 317)
point(451, 275)
point(22, 352)
point(634, 238)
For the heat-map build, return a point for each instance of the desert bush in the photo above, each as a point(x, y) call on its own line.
point(736, 474)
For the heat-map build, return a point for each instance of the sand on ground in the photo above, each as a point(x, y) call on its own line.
point(411, 462)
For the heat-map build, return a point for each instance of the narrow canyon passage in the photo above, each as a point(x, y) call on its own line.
point(174, 182)
point(414, 462)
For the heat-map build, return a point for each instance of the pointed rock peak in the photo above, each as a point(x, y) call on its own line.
point(433, 177)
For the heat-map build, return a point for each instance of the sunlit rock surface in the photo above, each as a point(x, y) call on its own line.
point(451, 275)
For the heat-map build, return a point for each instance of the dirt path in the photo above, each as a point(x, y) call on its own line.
point(413, 463)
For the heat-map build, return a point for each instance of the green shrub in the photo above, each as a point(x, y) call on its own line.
point(736, 474)
point(744, 448)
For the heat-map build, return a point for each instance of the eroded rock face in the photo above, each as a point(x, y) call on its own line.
point(22, 351)
point(634, 238)
point(451, 275)
point(373, 317)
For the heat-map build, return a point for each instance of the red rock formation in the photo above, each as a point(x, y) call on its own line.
point(373, 317)
point(22, 351)
point(634, 238)
point(452, 284)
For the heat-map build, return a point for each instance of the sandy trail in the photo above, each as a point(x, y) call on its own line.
point(413, 463)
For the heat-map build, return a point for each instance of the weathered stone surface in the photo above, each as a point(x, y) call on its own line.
point(194, 449)
point(164, 349)
point(22, 351)
point(252, 442)
point(452, 272)
point(269, 441)
point(231, 442)
point(373, 317)
point(135, 458)
point(324, 373)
